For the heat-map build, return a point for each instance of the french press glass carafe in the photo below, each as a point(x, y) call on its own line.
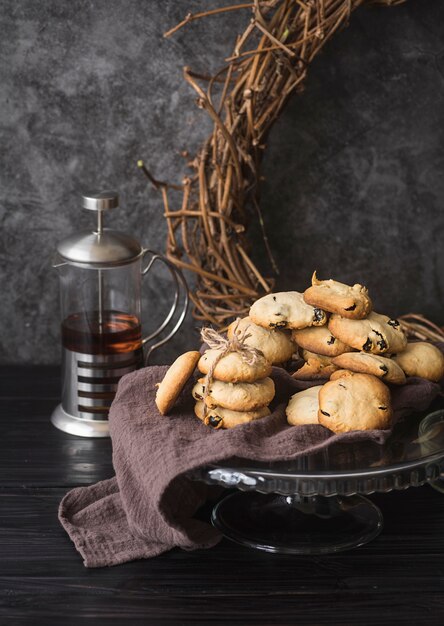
point(100, 291)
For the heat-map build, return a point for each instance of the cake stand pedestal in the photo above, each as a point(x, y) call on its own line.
point(315, 504)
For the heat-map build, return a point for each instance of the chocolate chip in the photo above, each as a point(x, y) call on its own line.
point(383, 408)
point(368, 345)
point(325, 413)
point(341, 385)
point(331, 340)
point(384, 368)
point(393, 323)
point(277, 324)
point(382, 342)
point(318, 315)
point(198, 396)
point(215, 421)
point(351, 308)
point(274, 298)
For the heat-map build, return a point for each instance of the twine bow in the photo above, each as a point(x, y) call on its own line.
point(224, 346)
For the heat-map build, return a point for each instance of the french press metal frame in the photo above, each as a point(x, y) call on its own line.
point(85, 402)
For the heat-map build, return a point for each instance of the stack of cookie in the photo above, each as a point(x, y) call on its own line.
point(340, 337)
point(352, 326)
point(358, 339)
point(236, 387)
point(234, 390)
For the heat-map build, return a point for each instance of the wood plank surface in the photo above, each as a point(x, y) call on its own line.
point(271, 610)
point(396, 579)
point(37, 453)
point(40, 570)
point(30, 381)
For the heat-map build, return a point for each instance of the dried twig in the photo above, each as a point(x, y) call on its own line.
point(269, 61)
point(419, 327)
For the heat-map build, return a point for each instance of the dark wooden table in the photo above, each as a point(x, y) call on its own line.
point(396, 579)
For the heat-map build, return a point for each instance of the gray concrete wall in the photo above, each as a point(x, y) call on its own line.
point(355, 166)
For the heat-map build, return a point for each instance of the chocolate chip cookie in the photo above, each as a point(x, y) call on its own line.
point(235, 396)
point(355, 402)
point(376, 334)
point(423, 359)
point(318, 339)
point(224, 418)
point(234, 368)
point(286, 309)
point(348, 301)
point(365, 363)
point(303, 407)
point(174, 380)
point(276, 345)
point(316, 366)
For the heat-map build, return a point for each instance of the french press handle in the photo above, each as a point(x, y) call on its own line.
point(181, 289)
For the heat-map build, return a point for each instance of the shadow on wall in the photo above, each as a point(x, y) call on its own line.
point(354, 167)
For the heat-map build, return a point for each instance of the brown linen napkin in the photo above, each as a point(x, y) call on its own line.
point(148, 507)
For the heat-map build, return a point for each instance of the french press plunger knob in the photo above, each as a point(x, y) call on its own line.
point(101, 275)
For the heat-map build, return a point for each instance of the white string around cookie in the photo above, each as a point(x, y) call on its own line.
point(224, 346)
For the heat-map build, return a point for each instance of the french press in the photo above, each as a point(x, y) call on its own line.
point(100, 291)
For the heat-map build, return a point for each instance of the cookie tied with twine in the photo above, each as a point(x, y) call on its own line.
point(224, 345)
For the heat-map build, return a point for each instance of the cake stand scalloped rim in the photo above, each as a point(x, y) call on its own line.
point(396, 477)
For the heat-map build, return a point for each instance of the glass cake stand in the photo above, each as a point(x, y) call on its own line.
point(315, 504)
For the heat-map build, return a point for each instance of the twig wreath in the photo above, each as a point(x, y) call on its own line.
point(269, 61)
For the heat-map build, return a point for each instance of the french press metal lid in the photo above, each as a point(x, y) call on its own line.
point(101, 275)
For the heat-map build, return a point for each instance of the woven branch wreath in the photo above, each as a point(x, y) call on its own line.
point(270, 60)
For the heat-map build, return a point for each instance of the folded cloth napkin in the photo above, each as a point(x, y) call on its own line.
point(148, 507)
